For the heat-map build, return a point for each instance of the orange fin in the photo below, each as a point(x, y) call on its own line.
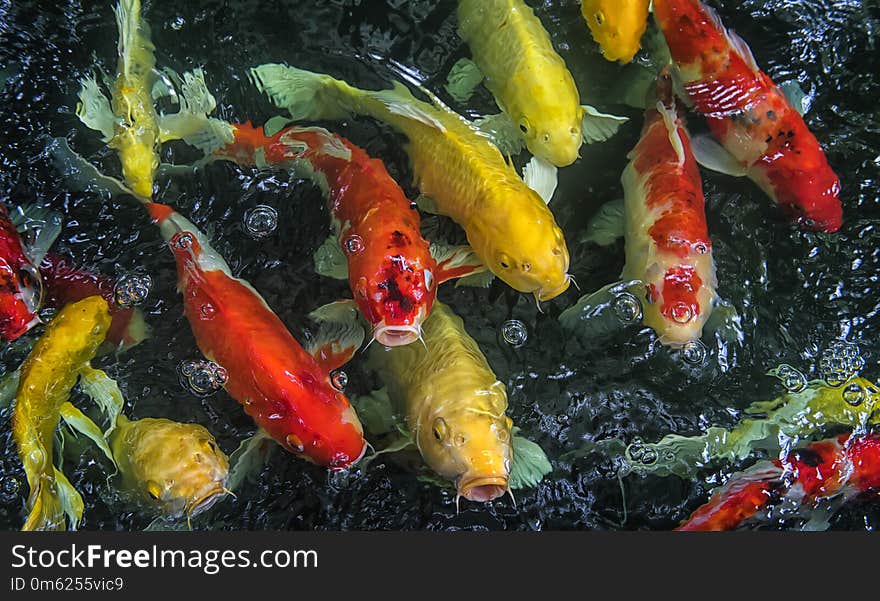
point(455, 262)
point(340, 334)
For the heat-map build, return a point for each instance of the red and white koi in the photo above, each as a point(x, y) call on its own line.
point(286, 390)
point(392, 271)
point(20, 285)
point(836, 468)
point(763, 136)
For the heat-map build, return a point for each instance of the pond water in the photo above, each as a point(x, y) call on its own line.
point(795, 292)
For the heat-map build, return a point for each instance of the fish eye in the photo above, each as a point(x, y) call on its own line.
point(504, 261)
point(213, 445)
point(546, 138)
point(440, 429)
point(600, 17)
point(524, 125)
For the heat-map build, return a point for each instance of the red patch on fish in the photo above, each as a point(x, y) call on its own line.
point(18, 295)
point(740, 102)
point(679, 294)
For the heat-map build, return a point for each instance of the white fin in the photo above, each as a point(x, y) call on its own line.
point(276, 124)
point(480, 279)
point(797, 98)
point(304, 94)
point(330, 261)
point(339, 335)
point(541, 176)
point(503, 133)
point(463, 79)
point(45, 222)
point(712, 155)
point(330, 144)
point(376, 412)
point(400, 101)
point(598, 126)
point(104, 392)
point(530, 463)
point(594, 315)
point(670, 120)
point(134, 35)
point(607, 225)
point(80, 174)
point(725, 323)
point(191, 122)
point(248, 459)
point(428, 205)
point(163, 87)
point(69, 499)
point(9, 388)
point(80, 422)
point(93, 109)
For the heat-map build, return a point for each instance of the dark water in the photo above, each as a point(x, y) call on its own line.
point(795, 291)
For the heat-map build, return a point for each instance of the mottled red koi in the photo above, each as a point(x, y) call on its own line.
point(668, 246)
point(749, 115)
point(391, 272)
point(66, 283)
point(838, 466)
point(20, 287)
point(286, 390)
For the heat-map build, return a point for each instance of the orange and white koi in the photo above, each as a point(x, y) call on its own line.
point(763, 136)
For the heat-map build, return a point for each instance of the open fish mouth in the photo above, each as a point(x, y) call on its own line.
point(481, 490)
point(397, 335)
point(545, 295)
point(206, 501)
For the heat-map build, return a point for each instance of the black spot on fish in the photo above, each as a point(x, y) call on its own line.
point(809, 457)
point(771, 115)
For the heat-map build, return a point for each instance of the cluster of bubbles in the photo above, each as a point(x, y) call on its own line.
point(792, 379)
point(514, 333)
point(9, 487)
point(260, 221)
point(840, 362)
point(640, 452)
point(132, 290)
point(202, 377)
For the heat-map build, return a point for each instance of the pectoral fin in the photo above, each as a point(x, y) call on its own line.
point(594, 314)
point(191, 122)
point(796, 96)
point(428, 205)
point(455, 262)
point(80, 174)
point(80, 422)
point(93, 109)
point(463, 79)
point(607, 225)
point(276, 124)
point(248, 459)
point(503, 133)
point(340, 334)
point(598, 126)
point(9, 387)
point(725, 323)
point(330, 261)
point(712, 155)
point(541, 176)
point(104, 392)
point(530, 463)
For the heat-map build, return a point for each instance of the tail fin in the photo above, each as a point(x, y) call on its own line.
point(305, 95)
point(50, 500)
point(134, 46)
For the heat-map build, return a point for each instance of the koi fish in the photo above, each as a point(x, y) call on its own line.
point(762, 134)
point(286, 390)
point(837, 468)
point(65, 283)
point(174, 467)
point(532, 86)
point(668, 248)
point(508, 225)
point(771, 424)
point(617, 26)
point(392, 271)
point(20, 284)
point(454, 405)
point(129, 122)
point(47, 376)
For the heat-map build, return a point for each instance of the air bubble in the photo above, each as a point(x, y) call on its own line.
point(339, 379)
point(202, 378)
point(649, 456)
point(701, 248)
point(514, 333)
point(792, 379)
point(207, 311)
point(177, 23)
point(840, 362)
point(854, 394)
point(9, 488)
point(260, 221)
point(182, 241)
point(627, 307)
point(694, 352)
point(131, 290)
point(681, 313)
point(354, 244)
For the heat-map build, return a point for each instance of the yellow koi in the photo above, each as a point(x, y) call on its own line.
point(47, 376)
point(528, 78)
point(617, 26)
point(508, 225)
point(454, 405)
point(175, 467)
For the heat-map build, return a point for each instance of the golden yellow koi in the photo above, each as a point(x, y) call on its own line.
point(617, 26)
point(508, 225)
point(454, 405)
point(175, 467)
point(48, 374)
point(528, 78)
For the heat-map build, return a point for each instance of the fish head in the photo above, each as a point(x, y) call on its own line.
point(554, 134)
point(183, 469)
point(813, 199)
point(469, 442)
point(396, 289)
point(21, 293)
point(617, 26)
point(531, 255)
point(678, 299)
point(139, 165)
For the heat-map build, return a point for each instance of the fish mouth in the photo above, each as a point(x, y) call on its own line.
point(397, 335)
point(481, 490)
point(545, 295)
point(206, 501)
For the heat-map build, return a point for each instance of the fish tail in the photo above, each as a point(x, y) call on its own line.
point(304, 94)
point(52, 495)
point(134, 46)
